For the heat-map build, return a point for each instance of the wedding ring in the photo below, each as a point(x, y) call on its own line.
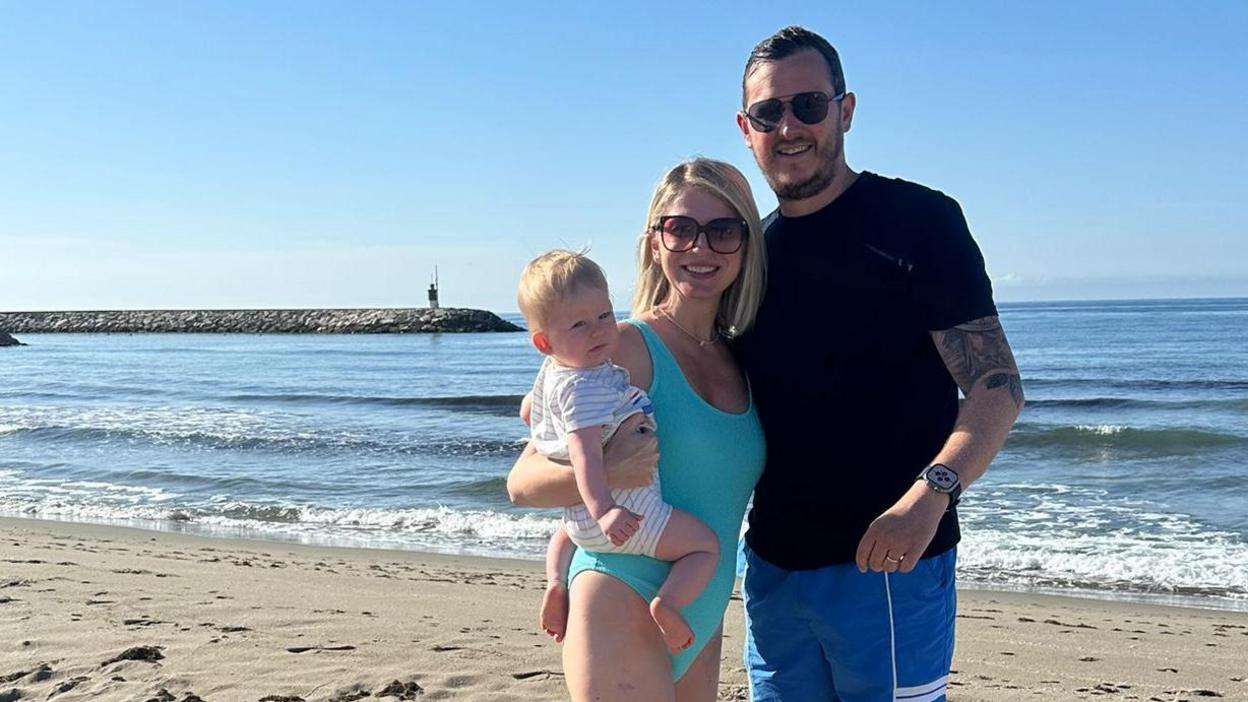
point(890, 559)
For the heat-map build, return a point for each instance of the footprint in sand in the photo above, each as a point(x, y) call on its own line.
point(540, 674)
point(43, 672)
point(141, 622)
point(151, 654)
point(1072, 626)
point(403, 690)
point(166, 696)
point(68, 685)
point(350, 695)
point(305, 649)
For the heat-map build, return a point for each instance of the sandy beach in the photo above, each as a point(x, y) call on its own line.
point(109, 613)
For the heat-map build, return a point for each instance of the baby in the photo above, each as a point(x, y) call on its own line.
point(578, 401)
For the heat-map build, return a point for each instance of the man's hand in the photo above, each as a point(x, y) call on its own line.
point(896, 540)
point(632, 455)
point(619, 525)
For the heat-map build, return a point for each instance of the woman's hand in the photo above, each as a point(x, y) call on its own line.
point(526, 409)
point(630, 458)
point(632, 455)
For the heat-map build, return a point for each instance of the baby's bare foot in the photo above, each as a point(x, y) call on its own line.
point(676, 633)
point(554, 616)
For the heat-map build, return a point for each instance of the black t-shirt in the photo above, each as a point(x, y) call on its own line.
point(854, 398)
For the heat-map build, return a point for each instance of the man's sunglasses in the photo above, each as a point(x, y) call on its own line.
point(810, 108)
point(679, 233)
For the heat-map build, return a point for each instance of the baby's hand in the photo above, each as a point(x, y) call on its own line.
point(619, 525)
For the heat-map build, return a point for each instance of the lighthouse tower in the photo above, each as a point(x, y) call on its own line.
point(433, 290)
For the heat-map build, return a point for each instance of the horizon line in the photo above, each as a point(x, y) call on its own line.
point(448, 307)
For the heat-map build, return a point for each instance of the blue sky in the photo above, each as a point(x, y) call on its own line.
point(290, 154)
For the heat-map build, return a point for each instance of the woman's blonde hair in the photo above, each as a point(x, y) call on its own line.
point(739, 303)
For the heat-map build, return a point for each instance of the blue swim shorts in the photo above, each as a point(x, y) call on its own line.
point(837, 634)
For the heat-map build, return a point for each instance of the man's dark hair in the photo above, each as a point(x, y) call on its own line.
point(789, 41)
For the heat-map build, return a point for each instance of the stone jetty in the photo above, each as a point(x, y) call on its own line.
point(315, 321)
point(6, 340)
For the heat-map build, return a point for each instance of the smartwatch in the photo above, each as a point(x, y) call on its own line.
point(944, 480)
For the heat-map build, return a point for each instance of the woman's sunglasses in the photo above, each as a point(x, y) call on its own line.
point(810, 108)
point(679, 233)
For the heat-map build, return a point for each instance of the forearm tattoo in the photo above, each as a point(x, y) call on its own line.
point(977, 350)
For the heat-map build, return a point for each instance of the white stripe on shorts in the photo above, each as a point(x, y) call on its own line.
point(927, 692)
point(937, 684)
point(892, 634)
point(929, 697)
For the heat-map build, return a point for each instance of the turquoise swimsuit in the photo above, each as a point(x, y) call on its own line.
point(709, 461)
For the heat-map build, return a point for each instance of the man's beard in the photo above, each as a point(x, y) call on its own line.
point(815, 184)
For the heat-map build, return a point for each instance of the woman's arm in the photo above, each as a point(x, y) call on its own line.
point(630, 458)
point(526, 408)
point(537, 481)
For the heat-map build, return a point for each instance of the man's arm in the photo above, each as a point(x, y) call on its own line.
point(981, 363)
point(979, 358)
point(978, 350)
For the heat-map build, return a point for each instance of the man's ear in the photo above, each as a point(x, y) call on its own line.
point(848, 104)
point(541, 343)
point(743, 123)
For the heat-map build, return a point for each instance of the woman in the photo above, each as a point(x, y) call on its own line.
point(699, 280)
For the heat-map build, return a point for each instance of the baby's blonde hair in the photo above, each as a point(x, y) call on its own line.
point(551, 278)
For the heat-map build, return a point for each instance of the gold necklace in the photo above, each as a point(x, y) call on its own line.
point(701, 342)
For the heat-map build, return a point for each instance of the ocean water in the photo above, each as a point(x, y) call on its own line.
point(1127, 474)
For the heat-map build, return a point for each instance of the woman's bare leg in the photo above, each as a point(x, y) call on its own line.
point(701, 682)
point(613, 652)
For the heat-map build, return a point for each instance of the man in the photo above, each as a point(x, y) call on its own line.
point(878, 310)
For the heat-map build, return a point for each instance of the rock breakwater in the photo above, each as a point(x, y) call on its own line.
point(309, 321)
